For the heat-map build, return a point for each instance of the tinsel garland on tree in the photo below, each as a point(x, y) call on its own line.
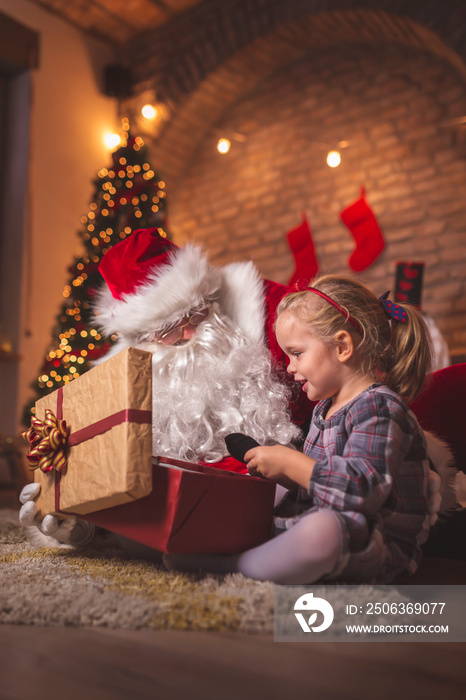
point(128, 195)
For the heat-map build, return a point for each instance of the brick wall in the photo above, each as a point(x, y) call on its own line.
point(393, 105)
point(386, 76)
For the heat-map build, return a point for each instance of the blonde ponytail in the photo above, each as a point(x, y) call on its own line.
point(409, 356)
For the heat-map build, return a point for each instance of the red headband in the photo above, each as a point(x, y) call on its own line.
point(339, 308)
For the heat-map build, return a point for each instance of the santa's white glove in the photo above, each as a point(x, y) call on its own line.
point(434, 499)
point(51, 532)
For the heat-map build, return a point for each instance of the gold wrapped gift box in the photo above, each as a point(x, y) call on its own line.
point(109, 450)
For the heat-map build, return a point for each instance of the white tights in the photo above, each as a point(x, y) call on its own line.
point(301, 555)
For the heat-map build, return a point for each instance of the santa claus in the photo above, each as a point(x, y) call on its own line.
point(217, 367)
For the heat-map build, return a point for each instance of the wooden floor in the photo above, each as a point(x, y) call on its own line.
point(95, 664)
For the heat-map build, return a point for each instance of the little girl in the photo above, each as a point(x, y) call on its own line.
point(357, 505)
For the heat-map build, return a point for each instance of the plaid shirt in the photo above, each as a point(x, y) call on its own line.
point(372, 470)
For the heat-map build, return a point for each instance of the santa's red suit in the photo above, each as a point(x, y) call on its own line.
point(151, 285)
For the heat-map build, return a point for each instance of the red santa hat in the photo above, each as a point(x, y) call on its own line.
point(151, 283)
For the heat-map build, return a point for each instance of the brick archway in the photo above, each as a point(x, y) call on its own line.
point(174, 59)
point(195, 116)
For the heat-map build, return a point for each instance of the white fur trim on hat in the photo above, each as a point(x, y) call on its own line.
point(169, 293)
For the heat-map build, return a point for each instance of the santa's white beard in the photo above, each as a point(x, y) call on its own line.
point(217, 383)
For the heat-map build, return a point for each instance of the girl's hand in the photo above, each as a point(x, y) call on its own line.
point(280, 464)
point(267, 461)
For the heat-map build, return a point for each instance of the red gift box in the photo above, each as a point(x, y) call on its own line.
point(193, 508)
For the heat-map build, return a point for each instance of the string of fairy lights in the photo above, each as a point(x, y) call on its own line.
point(128, 195)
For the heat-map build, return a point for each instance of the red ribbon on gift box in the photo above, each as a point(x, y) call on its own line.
point(126, 415)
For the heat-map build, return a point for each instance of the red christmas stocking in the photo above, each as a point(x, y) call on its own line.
point(302, 247)
point(361, 221)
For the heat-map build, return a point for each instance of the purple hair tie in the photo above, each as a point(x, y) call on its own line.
point(393, 310)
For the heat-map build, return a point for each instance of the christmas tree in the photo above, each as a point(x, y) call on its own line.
point(127, 196)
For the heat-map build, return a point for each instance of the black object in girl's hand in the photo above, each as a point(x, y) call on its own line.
point(238, 444)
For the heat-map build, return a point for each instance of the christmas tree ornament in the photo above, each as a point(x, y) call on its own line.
point(362, 223)
point(302, 246)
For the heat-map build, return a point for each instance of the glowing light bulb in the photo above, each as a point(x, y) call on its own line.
point(149, 112)
point(333, 159)
point(111, 140)
point(223, 145)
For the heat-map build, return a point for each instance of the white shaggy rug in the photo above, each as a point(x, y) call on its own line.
point(107, 588)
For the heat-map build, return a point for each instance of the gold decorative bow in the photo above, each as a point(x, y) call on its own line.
point(48, 440)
